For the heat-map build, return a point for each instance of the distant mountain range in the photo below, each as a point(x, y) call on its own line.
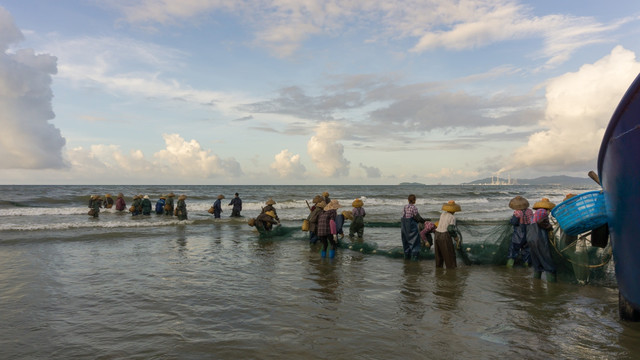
point(543, 180)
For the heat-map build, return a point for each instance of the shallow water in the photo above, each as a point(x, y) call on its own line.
point(214, 289)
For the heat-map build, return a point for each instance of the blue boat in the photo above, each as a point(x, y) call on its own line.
point(619, 173)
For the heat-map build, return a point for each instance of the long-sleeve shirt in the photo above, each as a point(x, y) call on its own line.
point(325, 221)
point(539, 215)
point(525, 216)
point(359, 211)
point(446, 219)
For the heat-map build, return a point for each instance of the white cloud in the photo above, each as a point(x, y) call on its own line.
point(326, 152)
point(27, 139)
point(124, 66)
point(282, 26)
point(188, 159)
point(288, 165)
point(579, 107)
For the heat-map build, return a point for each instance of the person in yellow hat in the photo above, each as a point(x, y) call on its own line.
point(136, 205)
point(538, 241)
point(95, 204)
point(265, 221)
point(316, 210)
point(269, 207)
point(521, 218)
point(120, 203)
point(181, 208)
point(358, 213)
point(168, 206)
point(108, 201)
point(445, 233)
point(328, 229)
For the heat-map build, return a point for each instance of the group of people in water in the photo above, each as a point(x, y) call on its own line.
point(529, 242)
point(164, 206)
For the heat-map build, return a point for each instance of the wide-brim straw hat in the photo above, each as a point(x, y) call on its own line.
point(146, 196)
point(348, 214)
point(317, 199)
point(569, 196)
point(321, 204)
point(135, 197)
point(271, 213)
point(182, 197)
point(270, 202)
point(451, 207)
point(108, 195)
point(519, 203)
point(171, 194)
point(357, 203)
point(333, 205)
point(162, 197)
point(220, 197)
point(325, 194)
point(120, 195)
point(544, 204)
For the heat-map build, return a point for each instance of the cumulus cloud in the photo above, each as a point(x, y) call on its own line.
point(325, 151)
point(27, 140)
point(371, 171)
point(288, 165)
point(187, 158)
point(579, 107)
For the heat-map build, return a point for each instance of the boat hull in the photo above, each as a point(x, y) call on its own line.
point(619, 171)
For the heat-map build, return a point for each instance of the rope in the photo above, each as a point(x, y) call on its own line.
point(582, 237)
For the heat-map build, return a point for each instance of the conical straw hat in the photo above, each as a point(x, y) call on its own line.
point(333, 205)
point(518, 203)
point(357, 203)
point(451, 206)
point(544, 204)
point(270, 202)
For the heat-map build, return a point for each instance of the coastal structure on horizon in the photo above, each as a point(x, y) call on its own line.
point(496, 180)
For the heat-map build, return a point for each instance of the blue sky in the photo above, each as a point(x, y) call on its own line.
point(308, 92)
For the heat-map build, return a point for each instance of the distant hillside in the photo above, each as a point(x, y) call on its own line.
point(544, 180)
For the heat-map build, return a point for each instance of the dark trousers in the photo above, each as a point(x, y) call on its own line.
point(445, 253)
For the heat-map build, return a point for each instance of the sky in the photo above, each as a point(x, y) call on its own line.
point(287, 92)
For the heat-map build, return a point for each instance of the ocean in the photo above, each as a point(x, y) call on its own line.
point(152, 287)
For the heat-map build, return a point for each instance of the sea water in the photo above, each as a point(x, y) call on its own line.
point(117, 286)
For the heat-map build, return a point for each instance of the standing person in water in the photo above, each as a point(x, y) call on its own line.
point(146, 205)
point(409, 229)
point(316, 210)
point(168, 207)
point(120, 203)
point(181, 208)
point(269, 207)
point(217, 206)
point(522, 216)
point(357, 224)
point(108, 201)
point(538, 241)
point(327, 228)
point(237, 205)
point(445, 233)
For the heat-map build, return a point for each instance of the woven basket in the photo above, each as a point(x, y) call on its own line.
point(581, 213)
